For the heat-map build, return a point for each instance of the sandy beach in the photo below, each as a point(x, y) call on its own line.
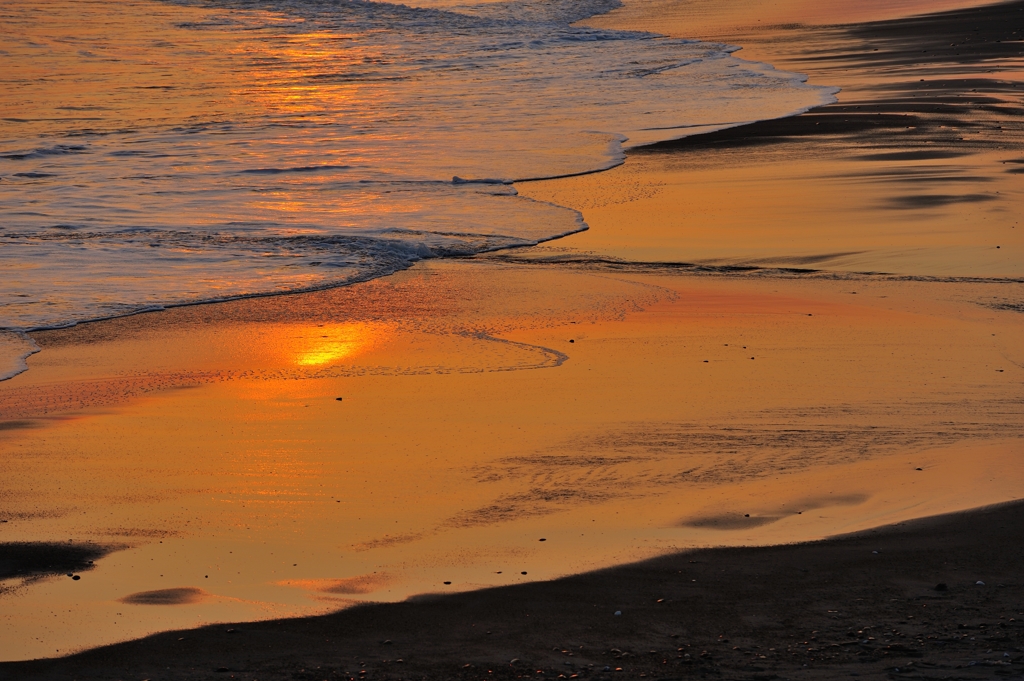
point(911, 172)
point(922, 600)
point(767, 408)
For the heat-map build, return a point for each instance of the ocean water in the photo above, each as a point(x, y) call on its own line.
point(157, 153)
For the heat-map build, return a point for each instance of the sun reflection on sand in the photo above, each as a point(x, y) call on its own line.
point(321, 345)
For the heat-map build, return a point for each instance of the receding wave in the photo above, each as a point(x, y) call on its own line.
point(316, 144)
point(15, 349)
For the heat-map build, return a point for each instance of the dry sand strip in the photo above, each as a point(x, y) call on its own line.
point(939, 598)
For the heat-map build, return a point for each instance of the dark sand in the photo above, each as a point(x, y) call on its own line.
point(930, 80)
point(867, 605)
point(33, 560)
point(825, 610)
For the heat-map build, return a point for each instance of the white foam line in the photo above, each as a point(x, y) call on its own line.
point(21, 364)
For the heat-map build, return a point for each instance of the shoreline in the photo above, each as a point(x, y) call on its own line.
point(558, 603)
point(912, 172)
point(135, 302)
point(885, 115)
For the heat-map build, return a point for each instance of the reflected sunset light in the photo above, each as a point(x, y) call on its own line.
point(321, 345)
point(520, 330)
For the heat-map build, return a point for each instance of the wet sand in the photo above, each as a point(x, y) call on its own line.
point(617, 416)
point(914, 171)
point(932, 599)
point(643, 379)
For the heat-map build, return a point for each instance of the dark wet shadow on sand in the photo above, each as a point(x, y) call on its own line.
point(178, 596)
point(39, 559)
point(912, 155)
point(919, 201)
point(360, 584)
point(363, 584)
point(815, 259)
point(15, 425)
point(745, 521)
point(730, 521)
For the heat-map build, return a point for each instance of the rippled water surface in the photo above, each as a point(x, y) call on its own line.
point(159, 153)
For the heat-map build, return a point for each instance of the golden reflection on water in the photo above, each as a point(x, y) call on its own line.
point(300, 72)
point(322, 345)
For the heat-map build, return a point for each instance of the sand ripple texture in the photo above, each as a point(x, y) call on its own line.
point(155, 153)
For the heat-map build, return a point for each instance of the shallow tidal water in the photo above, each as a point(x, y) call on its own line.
point(159, 153)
